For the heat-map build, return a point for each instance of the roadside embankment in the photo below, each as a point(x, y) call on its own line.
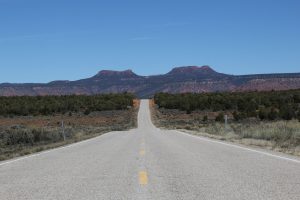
point(22, 135)
point(278, 135)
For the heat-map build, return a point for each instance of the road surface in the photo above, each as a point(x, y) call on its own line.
point(148, 163)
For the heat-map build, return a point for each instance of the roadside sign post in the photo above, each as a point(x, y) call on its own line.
point(63, 130)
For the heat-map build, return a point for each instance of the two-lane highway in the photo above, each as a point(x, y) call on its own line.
point(149, 163)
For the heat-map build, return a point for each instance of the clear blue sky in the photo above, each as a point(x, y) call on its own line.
point(44, 40)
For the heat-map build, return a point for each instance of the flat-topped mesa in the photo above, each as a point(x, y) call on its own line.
point(118, 74)
point(178, 80)
point(192, 69)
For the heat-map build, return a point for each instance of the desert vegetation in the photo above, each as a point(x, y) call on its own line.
point(271, 105)
point(48, 105)
point(32, 124)
point(268, 119)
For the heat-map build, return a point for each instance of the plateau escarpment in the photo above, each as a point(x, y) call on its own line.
point(178, 80)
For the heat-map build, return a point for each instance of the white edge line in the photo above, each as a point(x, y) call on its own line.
point(50, 150)
point(239, 147)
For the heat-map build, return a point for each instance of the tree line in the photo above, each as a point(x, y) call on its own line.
point(48, 105)
point(270, 105)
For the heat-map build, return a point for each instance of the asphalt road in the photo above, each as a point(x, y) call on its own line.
point(148, 163)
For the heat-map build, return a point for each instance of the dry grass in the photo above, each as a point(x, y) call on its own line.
point(281, 135)
point(24, 135)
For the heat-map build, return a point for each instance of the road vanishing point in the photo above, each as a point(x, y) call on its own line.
point(149, 163)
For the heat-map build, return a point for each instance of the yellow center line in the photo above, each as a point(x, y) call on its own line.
point(143, 178)
point(142, 152)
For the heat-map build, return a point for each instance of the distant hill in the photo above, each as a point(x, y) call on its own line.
point(178, 80)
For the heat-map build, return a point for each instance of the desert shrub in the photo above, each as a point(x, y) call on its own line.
point(273, 114)
point(281, 132)
point(220, 117)
point(278, 131)
point(263, 113)
point(25, 136)
point(270, 105)
point(48, 105)
point(238, 116)
point(287, 112)
point(215, 129)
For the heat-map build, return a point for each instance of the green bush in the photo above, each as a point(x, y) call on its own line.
point(220, 117)
point(22, 135)
point(270, 105)
point(287, 112)
point(48, 105)
point(273, 114)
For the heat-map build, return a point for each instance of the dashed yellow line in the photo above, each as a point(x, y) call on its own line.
point(142, 152)
point(143, 178)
